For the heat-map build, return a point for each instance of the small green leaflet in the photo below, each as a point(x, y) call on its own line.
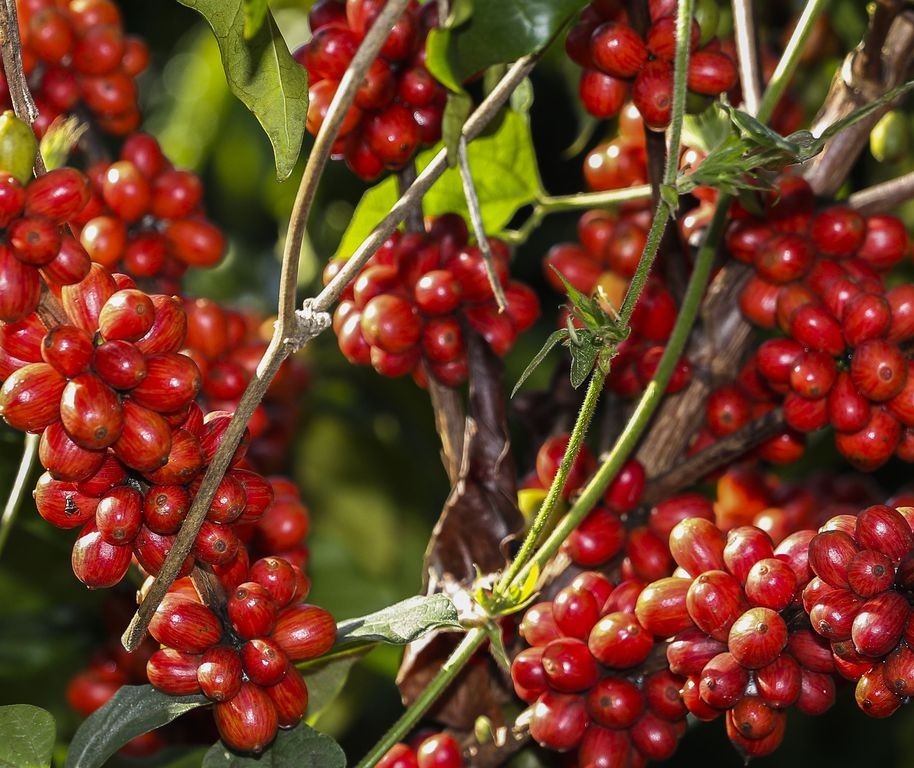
point(400, 623)
point(589, 346)
point(261, 72)
point(26, 736)
point(750, 146)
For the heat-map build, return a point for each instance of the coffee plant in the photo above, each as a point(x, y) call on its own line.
point(634, 456)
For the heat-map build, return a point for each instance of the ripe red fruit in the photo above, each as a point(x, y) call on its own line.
point(538, 626)
point(757, 637)
point(174, 672)
point(569, 665)
point(697, 545)
point(559, 721)
point(784, 258)
point(723, 681)
point(830, 555)
point(91, 412)
point(715, 601)
point(247, 722)
point(618, 50)
point(304, 631)
point(57, 195)
point(30, 397)
point(870, 573)
point(598, 538)
point(898, 670)
point(780, 682)
point(884, 529)
point(689, 651)
point(833, 616)
point(771, 583)
point(290, 698)
point(219, 673)
point(263, 661)
point(145, 440)
point(874, 696)
point(879, 624)
point(619, 640)
point(575, 612)
point(745, 546)
point(119, 515)
point(652, 93)
point(837, 232)
point(711, 72)
point(873, 445)
point(185, 625)
point(848, 410)
point(879, 370)
point(439, 751)
point(661, 607)
point(615, 702)
point(96, 563)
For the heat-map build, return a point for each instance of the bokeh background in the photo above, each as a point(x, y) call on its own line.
point(366, 451)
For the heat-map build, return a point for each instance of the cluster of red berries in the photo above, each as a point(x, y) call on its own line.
point(602, 263)
point(860, 602)
point(398, 107)
point(76, 54)
point(245, 665)
point(409, 308)
point(620, 63)
point(589, 678)
point(819, 278)
point(440, 750)
point(227, 345)
point(622, 161)
point(145, 218)
point(730, 617)
point(35, 244)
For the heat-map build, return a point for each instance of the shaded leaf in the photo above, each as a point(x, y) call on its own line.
point(495, 33)
point(503, 164)
point(554, 338)
point(583, 357)
point(399, 624)
point(262, 73)
point(300, 747)
point(255, 13)
point(26, 736)
point(326, 678)
point(132, 711)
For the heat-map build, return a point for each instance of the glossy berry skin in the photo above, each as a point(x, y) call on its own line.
point(247, 722)
point(559, 721)
point(757, 637)
point(619, 641)
point(185, 625)
point(263, 661)
point(251, 610)
point(615, 702)
point(618, 50)
point(219, 673)
point(652, 93)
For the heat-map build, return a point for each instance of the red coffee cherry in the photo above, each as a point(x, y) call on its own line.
point(185, 625)
point(263, 661)
point(618, 640)
point(559, 721)
point(838, 232)
point(304, 631)
point(96, 563)
point(174, 672)
point(247, 722)
point(723, 681)
point(615, 702)
point(219, 673)
point(618, 50)
point(569, 665)
point(290, 698)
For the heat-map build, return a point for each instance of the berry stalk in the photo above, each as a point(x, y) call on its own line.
point(449, 670)
point(17, 492)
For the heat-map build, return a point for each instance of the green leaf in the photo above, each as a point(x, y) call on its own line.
point(504, 170)
point(132, 711)
point(583, 357)
point(400, 623)
point(583, 306)
point(455, 115)
point(26, 736)
point(326, 678)
point(300, 747)
point(522, 98)
point(554, 338)
point(497, 32)
point(262, 73)
point(255, 13)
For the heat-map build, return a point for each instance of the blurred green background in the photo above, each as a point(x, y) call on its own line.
point(366, 452)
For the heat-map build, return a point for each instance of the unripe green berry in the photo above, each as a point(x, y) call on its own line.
point(18, 147)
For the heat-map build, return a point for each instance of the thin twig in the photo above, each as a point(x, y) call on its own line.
point(430, 174)
point(293, 329)
point(23, 103)
point(469, 191)
point(17, 492)
point(717, 455)
point(747, 55)
point(883, 197)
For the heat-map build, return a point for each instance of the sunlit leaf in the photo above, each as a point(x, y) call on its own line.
point(262, 73)
point(26, 736)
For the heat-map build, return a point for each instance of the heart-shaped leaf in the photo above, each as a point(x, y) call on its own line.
point(26, 736)
point(132, 711)
point(300, 747)
point(261, 72)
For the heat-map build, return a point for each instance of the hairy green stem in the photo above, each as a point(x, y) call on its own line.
point(790, 59)
point(470, 643)
point(17, 492)
point(544, 515)
point(680, 86)
point(651, 398)
point(663, 213)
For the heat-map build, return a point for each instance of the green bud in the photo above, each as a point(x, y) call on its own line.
point(18, 147)
point(890, 138)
